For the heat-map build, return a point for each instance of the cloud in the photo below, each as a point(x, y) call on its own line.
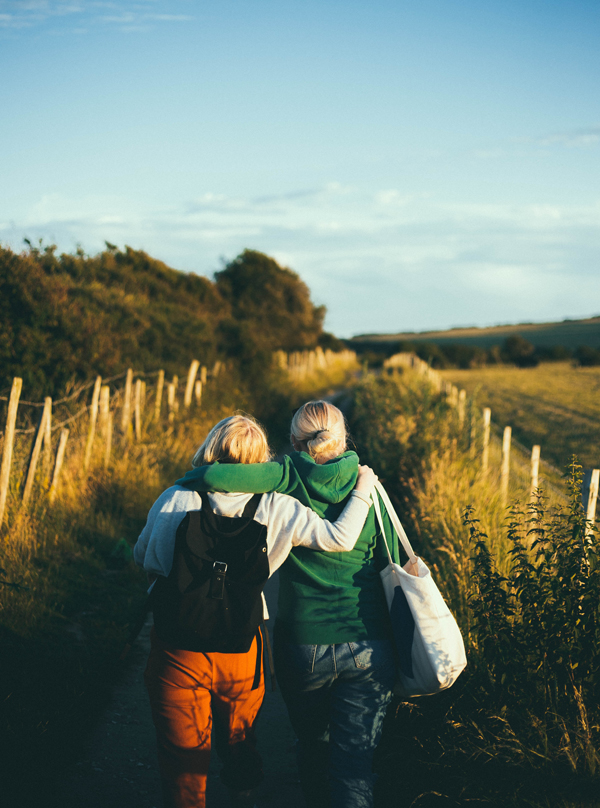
point(575, 138)
point(380, 261)
point(124, 14)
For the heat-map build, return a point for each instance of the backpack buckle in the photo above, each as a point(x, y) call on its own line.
point(217, 580)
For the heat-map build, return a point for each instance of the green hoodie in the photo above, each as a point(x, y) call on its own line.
point(324, 598)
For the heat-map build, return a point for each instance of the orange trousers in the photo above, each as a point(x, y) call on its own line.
point(190, 694)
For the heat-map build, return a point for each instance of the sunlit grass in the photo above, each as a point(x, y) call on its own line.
point(554, 405)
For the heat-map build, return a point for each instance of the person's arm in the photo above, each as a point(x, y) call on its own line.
point(291, 524)
point(242, 478)
point(154, 548)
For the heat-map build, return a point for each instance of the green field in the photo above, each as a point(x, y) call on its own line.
point(570, 333)
point(554, 405)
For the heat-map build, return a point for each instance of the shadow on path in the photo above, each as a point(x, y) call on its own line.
point(118, 767)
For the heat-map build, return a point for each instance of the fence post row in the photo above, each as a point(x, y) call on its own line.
point(9, 437)
point(126, 414)
point(93, 418)
point(485, 456)
point(505, 473)
point(36, 449)
point(60, 456)
point(189, 388)
point(159, 392)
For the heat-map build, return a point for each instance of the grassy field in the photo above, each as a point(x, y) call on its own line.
point(554, 405)
point(570, 333)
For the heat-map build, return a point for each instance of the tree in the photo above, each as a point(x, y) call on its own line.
point(271, 307)
point(519, 351)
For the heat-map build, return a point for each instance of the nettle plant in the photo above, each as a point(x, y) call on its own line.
point(536, 632)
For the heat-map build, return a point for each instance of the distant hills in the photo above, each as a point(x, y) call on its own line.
point(568, 333)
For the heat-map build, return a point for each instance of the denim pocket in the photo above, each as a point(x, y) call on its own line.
point(372, 654)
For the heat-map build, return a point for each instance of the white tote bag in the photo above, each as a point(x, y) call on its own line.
point(430, 647)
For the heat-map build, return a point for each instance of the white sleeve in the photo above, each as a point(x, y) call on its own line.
point(154, 548)
point(290, 524)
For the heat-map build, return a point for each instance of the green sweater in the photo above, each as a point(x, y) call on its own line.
point(324, 598)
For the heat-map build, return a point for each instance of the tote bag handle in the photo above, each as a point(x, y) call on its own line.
point(395, 522)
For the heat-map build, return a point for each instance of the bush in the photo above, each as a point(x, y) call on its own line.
point(586, 356)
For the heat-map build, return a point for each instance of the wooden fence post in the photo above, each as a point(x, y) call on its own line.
point(48, 441)
point(93, 418)
point(108, 438)
point(36, 449)
point(592, 500)
point(104, 409)
point(189, 388)
point(472, 430)
point(506, 438)
point(137, 410)
point(9, 437)
point(535, 469)
point(159, 393)
point(198, 392)
point(203, 374)
point(485, 457)
point(171, 401)
point(60, 456)
point(143, 398)
point(126, 414)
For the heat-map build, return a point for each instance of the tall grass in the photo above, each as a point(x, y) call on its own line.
point(523, 581)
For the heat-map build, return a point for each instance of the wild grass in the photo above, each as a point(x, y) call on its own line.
point(523, 579)
point(554, 405)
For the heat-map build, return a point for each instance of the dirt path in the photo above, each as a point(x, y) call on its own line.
point(118, 767)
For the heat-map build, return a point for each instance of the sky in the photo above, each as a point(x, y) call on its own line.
point(421, 165)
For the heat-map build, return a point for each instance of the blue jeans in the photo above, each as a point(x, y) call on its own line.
point(336, 697)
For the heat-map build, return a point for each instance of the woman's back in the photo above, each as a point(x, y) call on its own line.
point(327, 598)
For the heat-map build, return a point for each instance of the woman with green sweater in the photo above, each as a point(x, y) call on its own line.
point(333, 649)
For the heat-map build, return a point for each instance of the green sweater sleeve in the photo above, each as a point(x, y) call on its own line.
point(246, 478)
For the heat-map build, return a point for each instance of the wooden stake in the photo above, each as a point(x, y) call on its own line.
point(592, 500)
point(189, 388)
point(9, 437)
point(485, 457)
point(171, 402)
point(108, 436)
point(47, 441)
point(159, 392)
point(104, 409)
point(137, 411)
point(143, 399)
point(93, 417)
point(506, 439)
point(198, 392)
point(36, 449)
point(472, 431)
point(60, 456)
point(203, 374)
point(126, 414)
point(535, 469)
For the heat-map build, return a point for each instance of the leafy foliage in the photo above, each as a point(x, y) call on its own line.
point(65, 318)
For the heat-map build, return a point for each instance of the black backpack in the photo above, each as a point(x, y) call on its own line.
point(211, 600)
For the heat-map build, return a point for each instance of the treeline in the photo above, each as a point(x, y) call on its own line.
point(515, 350)
point(67, 317)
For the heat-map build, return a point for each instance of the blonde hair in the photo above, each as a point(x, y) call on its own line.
point(321, 426)
point(237, 439)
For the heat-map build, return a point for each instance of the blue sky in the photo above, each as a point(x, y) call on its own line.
point(421, 165)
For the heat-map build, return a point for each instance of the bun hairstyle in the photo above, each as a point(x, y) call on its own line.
point(237, 439)
point(320, 426)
